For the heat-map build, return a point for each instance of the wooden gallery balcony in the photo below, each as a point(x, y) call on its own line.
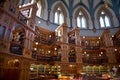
point(46, 58)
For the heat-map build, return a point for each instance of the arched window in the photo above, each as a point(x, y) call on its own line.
point(58, 17)
point(104, 20)
point(81, 20)
point(39, 9)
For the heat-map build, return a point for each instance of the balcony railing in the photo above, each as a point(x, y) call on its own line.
point(44, 58)
point(56, 58)
point(71, 41)
point(16, 48)
point(72, 59)
point(91, 48)
point(95, 60)
point(44, 41)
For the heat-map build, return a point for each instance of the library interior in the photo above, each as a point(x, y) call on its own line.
point(58, 39)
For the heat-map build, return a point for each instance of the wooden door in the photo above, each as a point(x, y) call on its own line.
point(11, 74)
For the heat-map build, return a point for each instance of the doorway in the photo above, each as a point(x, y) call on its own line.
point(12, 72)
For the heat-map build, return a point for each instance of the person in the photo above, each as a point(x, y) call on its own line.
point(78, 77)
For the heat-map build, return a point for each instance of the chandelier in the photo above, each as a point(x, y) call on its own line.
point(106, 3)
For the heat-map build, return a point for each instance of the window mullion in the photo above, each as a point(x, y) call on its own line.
point(103, 17)
point(80, 21)
point(104, 21)
point(59, 18)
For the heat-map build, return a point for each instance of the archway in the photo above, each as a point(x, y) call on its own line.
point(72, 54)
point(12, 71)
point(17, 43)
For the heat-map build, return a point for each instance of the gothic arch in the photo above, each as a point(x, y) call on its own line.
point(18, 40)
point(83, 11)
point(14, 63)
point(85, 14)
point(108, 13)
point(63, 9)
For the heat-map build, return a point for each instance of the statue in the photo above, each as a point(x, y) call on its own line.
point(114, 70)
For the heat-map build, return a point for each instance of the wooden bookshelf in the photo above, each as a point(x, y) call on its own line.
point(33, 72)
point(17, 42)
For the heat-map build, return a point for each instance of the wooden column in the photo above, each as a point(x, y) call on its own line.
point(109, 46)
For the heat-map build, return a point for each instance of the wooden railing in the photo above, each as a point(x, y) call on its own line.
point(91, 48)
point(94, 60)
point(72, 59)
point(71, 41)
point(49, 58)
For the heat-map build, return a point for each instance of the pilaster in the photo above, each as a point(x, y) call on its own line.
point(108, 43)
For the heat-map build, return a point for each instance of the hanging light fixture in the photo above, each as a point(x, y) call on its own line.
point(106, 3)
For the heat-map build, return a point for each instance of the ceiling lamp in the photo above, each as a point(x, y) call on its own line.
point(106, 3)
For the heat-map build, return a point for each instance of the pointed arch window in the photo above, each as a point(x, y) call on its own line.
point(39, 9)
point(58, 17)
point(81, 20)
point(104, 20)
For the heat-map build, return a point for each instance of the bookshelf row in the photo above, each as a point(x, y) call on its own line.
point(43, 71)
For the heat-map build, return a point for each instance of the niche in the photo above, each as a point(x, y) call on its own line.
point(18, 40)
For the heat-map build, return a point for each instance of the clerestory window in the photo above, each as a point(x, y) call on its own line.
point(58, 17)
point(104, 20)
point(81, 20)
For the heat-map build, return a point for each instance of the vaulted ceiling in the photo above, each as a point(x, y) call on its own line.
point(89, 5)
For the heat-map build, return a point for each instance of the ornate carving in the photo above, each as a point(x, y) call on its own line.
point(2, 45)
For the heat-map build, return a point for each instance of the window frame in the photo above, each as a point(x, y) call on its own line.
point(58, 12)
point(80, 18)
point(104, 21)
